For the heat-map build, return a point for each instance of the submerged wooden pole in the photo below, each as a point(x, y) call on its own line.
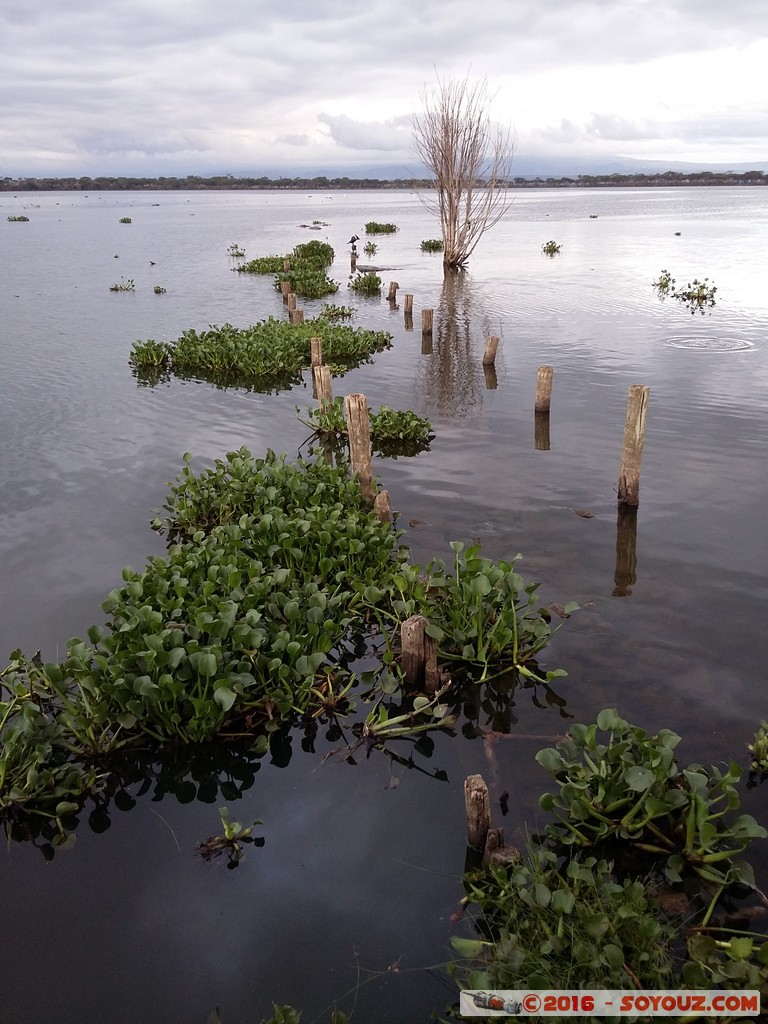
point(544, 388)
point(316, 351)
point(634, 439)
point(392, 293)
point(358, 428)
point(285, 288)
point(541, 431)
point(478, 808)
point(489, 356)
point(408, 305)
point(286, 266)
point(296, 316)
point(290, 301)
point(491, 381)
point(426, 321)
point(625, 575)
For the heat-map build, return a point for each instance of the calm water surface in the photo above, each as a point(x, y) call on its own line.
point(352, 894)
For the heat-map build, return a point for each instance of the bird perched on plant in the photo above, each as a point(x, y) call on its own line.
point(353, 239)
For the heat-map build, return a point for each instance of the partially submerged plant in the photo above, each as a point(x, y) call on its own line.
point(231, 841)
point(19, 218)
point(697, 295)
point(125, 220)
point(551, 248)
point(432, 245)
point(123, 286)
point(159, 290)
point(332, 313)
point(368, 283)
point(370, 248)
point(268, 355)
point(759, 749)
point(375, 228)
point(631, 788)
point(665, 282)
point(236, 251)
point(392, 431)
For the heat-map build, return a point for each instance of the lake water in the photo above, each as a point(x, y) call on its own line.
point(351, 896)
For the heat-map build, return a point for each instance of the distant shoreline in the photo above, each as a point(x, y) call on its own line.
point(219, 183)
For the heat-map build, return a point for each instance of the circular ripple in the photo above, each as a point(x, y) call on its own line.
point(712, 344)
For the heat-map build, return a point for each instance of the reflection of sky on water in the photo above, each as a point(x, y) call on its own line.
point(86, 455)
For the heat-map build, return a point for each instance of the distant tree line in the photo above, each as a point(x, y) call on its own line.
point(194, 182)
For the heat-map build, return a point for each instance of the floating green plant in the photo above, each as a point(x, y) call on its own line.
point(432, 245)
point(236, 251)
point(367, 284)
point(125, 220)
point(123, 286)
point(159, 290)
point(230, 841)
point(375, 228)
point(332, 313)
point(697, 295)
point(599, 914)
point(551, 248)
point(370, 248)
point(664, 283)
point(268, 355)
point(278, 577)
point(262, 265)
point(393, 432)
point(759, 749)
point(18, 219)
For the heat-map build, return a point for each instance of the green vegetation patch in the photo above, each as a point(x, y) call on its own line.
point(18, 219)
point(367, 284)
point(307, 274)
point(551, 248)
point(432, 245)
point(375, 228)
point(393, 432)
point(266, 356)
point(278, 578)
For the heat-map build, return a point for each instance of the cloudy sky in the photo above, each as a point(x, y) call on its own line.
point(157, 87)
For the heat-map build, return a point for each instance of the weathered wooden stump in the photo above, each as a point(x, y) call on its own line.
point(315, 351)
point(427, 317)
point(408, 305)
point(382, 507)
point(634, 439)
point(544, 388)
point(296, 316)
point(392, 293)
point(491, 345)
point(321, 381)
point(478, 807)
point(358, 428)
point(418, 650)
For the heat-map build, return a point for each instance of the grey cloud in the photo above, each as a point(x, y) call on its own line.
point(294, 140)
point(387, 136)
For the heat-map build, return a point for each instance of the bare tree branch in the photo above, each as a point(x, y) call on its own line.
point(470, 159)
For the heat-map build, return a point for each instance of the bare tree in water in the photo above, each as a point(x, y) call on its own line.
point(471, 160)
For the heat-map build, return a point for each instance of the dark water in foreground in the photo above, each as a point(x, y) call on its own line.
point(351, 896)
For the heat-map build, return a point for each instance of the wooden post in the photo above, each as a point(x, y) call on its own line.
point(634, 438)
point(392, 293)
point(478, 808)
point(625, 575)
point(286, 266)
point(316, 351)
point(544, 388)
point(541, 431)
point(321, 380)
point(491, 380)
point(285, 288)
point(408, 305)
point(358, 428)
point(489, 356)
point(290, 301)
point(408, 321)
point(496, 850)
point(419, 652)
point(426, 322)
point(353, 262)
point(382, 507)
point(296, 316)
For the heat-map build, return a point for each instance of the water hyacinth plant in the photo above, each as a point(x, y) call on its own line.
point(18, 219)
point(269, 355)
point(278, 577)
point(432, 245)
point(367, 284)
point(393, 432)
point(123, 286)
point(551, 248)
point(375, 228)
point(236, 251)
point(125, 220)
